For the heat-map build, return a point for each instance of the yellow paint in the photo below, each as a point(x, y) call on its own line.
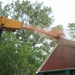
point(0, 22)
point(9, 24)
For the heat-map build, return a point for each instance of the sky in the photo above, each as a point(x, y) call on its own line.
point(62, 10)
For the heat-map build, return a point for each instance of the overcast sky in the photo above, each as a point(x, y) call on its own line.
point(63, 10)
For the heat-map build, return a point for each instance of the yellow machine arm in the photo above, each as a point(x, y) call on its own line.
point(9, 24)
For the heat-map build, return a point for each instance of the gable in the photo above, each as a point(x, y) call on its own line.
point(62, 57)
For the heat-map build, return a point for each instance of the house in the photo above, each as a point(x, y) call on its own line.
point(61, 57)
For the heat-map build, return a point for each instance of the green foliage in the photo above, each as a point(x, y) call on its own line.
point(17, 57)
point(19, 52)
point(30, 13)
point(71, 29)
point(4, 11)
point(0, 8)
point(35, 14)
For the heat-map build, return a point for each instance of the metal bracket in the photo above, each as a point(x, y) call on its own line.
point(2, 24)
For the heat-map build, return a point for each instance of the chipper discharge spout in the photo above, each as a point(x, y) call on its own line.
point(9, 25)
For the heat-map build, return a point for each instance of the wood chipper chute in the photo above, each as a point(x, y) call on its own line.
point(9, 25)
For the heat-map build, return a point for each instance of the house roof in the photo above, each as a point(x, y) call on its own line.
point(61, 57)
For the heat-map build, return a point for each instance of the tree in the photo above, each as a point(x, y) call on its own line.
point(35, 14)
point(19, 52)
point(71, 29)
point(17, 58)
